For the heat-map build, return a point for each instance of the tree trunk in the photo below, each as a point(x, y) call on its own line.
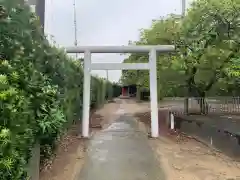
point(138, 94)
point(189, 94)
point(191, 86)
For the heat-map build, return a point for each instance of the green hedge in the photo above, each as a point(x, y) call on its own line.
point(41, 90)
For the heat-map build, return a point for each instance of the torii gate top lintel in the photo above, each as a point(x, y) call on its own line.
point(121, 49)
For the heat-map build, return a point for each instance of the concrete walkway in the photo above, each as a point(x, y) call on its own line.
point(121, 152)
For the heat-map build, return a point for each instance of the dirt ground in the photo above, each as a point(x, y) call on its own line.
point(190, 160)
point(69, 157)
point(181, 157)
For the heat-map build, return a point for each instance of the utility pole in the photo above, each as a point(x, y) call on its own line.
point(183, 7)
point(40, 10)
point(38, 6)
point(186, 100)
point(107, 84)
point(107, 74)
point(109, 89)
point(75, 25)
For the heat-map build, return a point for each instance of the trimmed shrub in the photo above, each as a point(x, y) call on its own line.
point(41, 90)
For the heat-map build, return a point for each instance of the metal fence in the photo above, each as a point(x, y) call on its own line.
point(213, 105)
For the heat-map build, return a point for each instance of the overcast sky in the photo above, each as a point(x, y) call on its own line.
point(104, 22)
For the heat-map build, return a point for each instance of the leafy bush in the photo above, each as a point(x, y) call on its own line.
point(41, 90)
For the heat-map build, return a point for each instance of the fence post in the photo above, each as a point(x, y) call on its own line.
point(34, 163)
point(167, 120)
point(172, 121)
point(186, 105)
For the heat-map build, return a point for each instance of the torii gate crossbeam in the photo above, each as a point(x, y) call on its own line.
point(151, 66)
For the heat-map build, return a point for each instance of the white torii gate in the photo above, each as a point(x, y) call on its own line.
point(151, 66)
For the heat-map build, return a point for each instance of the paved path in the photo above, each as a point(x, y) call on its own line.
point(120, 152)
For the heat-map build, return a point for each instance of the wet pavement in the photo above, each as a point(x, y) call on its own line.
point(121, 152)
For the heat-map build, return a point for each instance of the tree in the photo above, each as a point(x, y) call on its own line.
point(209, 45)
point(162, 31)
point(207, 50)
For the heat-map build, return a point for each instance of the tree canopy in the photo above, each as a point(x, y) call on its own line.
point(206, 61)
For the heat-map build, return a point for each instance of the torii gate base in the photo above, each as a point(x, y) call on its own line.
point(151, 65)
